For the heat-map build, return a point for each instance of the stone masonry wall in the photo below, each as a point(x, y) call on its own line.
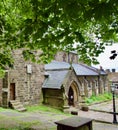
point(89, 85)
point(53, 97)
point(70, 57)
point(28, 78)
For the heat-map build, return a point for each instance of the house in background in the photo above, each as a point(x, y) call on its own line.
point(60, 83)
point(113, 78)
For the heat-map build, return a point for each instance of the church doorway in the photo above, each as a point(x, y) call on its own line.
point(73, 95)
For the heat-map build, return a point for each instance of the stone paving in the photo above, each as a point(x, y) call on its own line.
point(97, 116)
point(105, 107)
point(101, 112)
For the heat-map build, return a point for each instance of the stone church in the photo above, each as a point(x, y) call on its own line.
point(60, 83)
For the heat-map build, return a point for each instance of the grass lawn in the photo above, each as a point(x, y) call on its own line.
point(22, 120)
point(43, 108)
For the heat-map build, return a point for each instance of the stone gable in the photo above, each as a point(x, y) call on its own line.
point(70, 57)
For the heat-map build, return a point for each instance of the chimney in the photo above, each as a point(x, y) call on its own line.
point(113, 70)
point(101, 68)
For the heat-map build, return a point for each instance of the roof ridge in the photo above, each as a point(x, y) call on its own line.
point(57, 69)
point(89, 67)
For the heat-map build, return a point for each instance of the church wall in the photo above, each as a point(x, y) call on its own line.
point(53, 97)
point(28, 78)
point(93, 85)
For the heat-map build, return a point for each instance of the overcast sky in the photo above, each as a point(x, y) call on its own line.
point(104, 60)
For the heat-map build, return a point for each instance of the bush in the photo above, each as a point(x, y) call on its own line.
point(98, 98)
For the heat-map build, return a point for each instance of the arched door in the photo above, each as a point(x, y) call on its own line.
point(73, 94)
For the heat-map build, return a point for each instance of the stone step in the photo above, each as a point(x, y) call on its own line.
point(21, 109)
point(17, 105)
point(13, 101)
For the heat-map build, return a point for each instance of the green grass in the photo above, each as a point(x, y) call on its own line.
point(43, 108)
point(27, 125)
point(20, 125)
point(99, 98)
point(2, 109)
point(5, 109)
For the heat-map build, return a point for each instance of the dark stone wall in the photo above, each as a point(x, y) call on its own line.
point(53, 97)
point(28, 78)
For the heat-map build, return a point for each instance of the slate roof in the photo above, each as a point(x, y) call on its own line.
point(80, 69)
point(100, 71)
point(55, 79)
point(56, 65)
point(57, 71)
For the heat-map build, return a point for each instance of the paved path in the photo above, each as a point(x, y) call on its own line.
point(98, 116)
point(100, 112)
point(105, 107)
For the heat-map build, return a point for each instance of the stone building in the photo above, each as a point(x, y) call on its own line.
point(113, 78)
point(67, 81)
point(60, 83)
point(23, 82)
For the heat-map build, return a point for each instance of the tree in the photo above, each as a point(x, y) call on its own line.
point(52, 25)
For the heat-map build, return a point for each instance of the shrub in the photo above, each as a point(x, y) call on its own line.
point(98, 98)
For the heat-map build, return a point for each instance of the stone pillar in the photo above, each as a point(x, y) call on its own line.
point(86, 87)
point(100, 85)
point(83, 105)
point(109, 87)
point(66, 106)
point(94, 88)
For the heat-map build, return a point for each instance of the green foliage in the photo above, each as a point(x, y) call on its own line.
point(98, 98)
point(53, 25)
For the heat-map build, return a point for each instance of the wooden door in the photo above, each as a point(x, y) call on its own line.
point(12, 91)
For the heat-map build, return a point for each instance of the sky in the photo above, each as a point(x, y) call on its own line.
point(104, 60)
